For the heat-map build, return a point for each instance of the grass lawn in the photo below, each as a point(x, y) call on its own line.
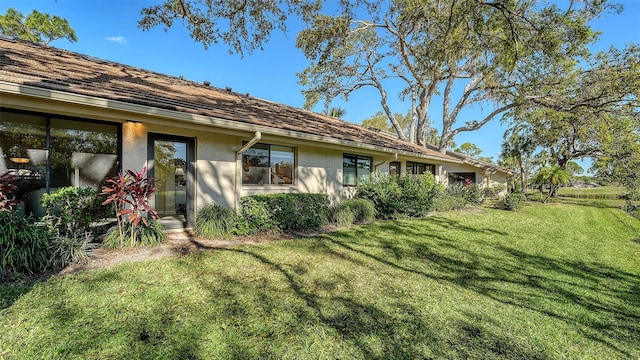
point(602, 191)
point(551, 281)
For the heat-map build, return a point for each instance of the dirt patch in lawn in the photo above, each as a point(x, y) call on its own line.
point(178, 243)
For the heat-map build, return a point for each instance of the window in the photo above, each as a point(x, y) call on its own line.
point(265, 164)
point(394, 168)
point(466, 178)
point(356, 169)
point(415, 168)
point(44, 154)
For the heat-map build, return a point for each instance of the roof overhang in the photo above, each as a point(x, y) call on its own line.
point(124, 111)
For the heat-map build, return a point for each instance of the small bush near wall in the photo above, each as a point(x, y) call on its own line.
point(151, 233)
point(72, 248)
point(215, 221)
point(24, 247)
point(72, 210)
point(296, 211)
point(255, 217)
point(341, 215)
point(395, 196)
point(514, 201)
point(446, 201)
point(363, 210)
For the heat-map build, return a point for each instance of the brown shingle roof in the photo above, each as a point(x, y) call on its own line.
point(47, 67)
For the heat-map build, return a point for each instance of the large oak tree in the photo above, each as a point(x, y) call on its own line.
point(490, 54)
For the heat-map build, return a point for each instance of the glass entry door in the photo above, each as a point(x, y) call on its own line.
point(172, 169)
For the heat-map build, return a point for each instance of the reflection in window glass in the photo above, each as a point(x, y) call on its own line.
point(82, 154)
point(349, 170)
point(265, 164)
point(394, 168)
point(23, 155)
point(355, 169)
point(414, 168)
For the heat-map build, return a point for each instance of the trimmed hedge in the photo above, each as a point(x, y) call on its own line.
point(296, 211)
point(395, 196)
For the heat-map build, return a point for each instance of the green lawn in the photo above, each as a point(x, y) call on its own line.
point(604, 191)
point(551, 281)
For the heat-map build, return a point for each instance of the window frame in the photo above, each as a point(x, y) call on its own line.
point(356, 159)
point(48, 117)
point(294, 152)
point(414, 167)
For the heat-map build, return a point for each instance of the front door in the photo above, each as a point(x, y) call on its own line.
point(171, 164)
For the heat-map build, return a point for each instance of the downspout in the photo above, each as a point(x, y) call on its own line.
point(394, 158)
point(238, 179)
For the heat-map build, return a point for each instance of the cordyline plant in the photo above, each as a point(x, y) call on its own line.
point(130, 192)
point(7, 190)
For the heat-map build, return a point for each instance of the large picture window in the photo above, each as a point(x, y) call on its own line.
point(266, 164)
point(42, 154)
point(466, 178)
point(356, 169)
point(416, 168)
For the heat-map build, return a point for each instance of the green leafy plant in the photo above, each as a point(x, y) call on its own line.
point(72, 248)
point(255, 217)
point(129, 192)
point(24, 247)
point(7, 190)
point(553, 177)
point(405, 196)
point(146, 234)
point(514, 201)
point(215, 221)
point(71, 210)
point(296, 211)
point(341, 214)
point(363, 210)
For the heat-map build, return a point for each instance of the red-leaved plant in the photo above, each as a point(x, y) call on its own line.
point(130, 192)
point(7, 190)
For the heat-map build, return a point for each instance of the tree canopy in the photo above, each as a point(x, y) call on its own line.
point(473, 53)
point(36, 27)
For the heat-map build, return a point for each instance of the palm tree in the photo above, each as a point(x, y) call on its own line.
point(553, 176)
point(518, 145)
point(337, 112)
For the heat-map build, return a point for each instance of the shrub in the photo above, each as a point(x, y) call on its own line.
point(24, 247)
point(394, 196)
point(73, 248)
point(71, 210)
point(514, 201)
point(363, 210)
point(384, 192)
point(417, 194)
point(341, 214)
point(215, 221)
point(446, 201)
point(255, 217)
point(296, 211)
point(129, 192)
point(494, 192)
point(151, 233)
point(7, 192)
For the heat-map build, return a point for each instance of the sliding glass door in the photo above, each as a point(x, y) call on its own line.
point(171, 166)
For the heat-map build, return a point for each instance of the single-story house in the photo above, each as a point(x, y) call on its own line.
point(68, 119)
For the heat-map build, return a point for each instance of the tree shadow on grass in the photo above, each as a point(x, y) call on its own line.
point(10, 293)
point(396, 331)
point(602, 301)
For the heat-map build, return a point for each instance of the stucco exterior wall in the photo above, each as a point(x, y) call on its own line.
point(318, 169)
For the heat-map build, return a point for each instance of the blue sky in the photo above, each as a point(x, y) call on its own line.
point(108, 29)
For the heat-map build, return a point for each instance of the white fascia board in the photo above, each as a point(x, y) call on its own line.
point(144, 112)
